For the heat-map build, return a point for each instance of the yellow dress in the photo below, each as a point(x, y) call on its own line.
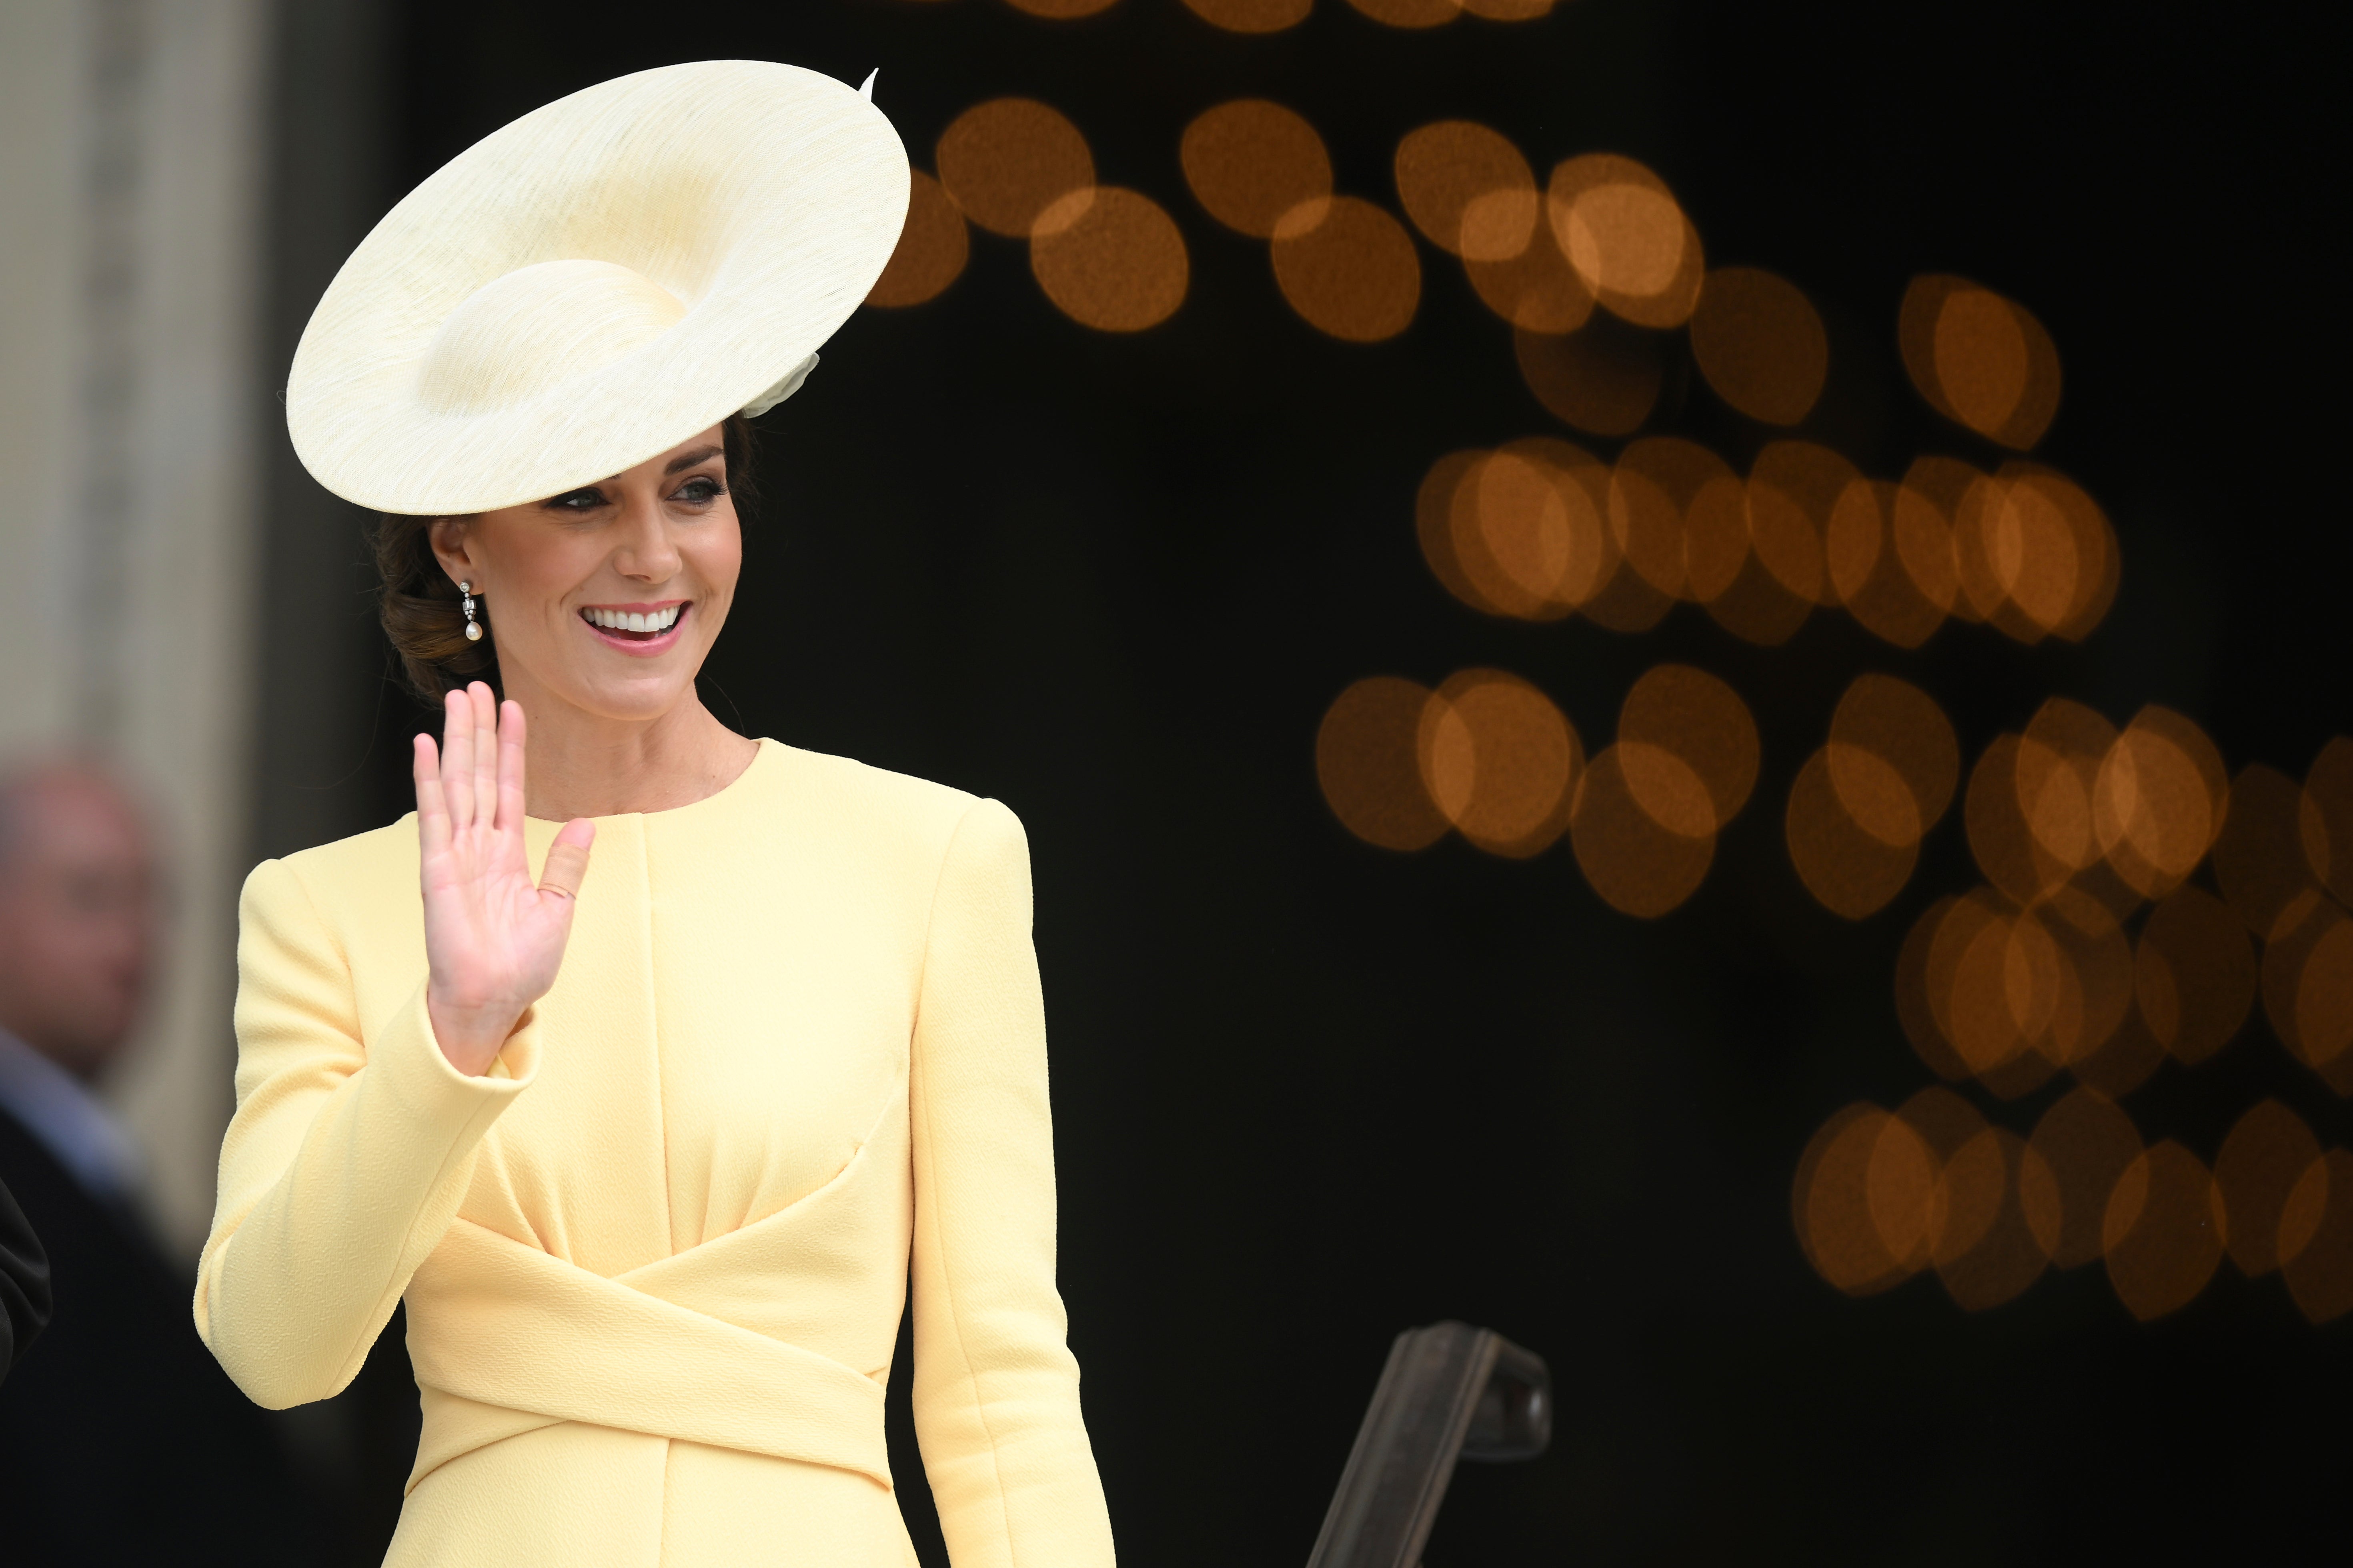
point(655, 1261)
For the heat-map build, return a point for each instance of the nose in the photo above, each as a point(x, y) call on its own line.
point(644, 550)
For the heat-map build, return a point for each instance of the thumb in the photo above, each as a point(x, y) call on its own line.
point(567, 858)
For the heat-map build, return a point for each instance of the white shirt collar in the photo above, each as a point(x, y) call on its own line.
point(71, 1122)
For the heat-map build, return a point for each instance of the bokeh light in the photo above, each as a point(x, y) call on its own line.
point(1412, 14)
point(1849, 870)
point(1626, 236)
point(1997, 1219)
point(2315, 1239)
point(1006, 160)
point(2158, 800)
point(1250, 162)
point(1981, 361)
point(1759, 341)
point(1347, 268)
point(1860, 804)
point(932, 251)
point(1864, 1200)
point(1868, 571)
point(2194, 974)
point(1110, 258)
point(2258, 1166)
point(2034, 554)
point(2260, 860)
point(2326, 819)
point(1499, 761)
point(2087, 1143)
point(1655, 485)
point(1367, 759)
point(1251, 15)
point(1639, 865)
point(1793, 487)
point(2163, 1231)
point(1597, 380)
point(1468, 189)
point(1934, 492)
point(2307, 990)
point(1518, 532)
point(1687, 746)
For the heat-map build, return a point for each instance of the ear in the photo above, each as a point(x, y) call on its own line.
point(452, 538)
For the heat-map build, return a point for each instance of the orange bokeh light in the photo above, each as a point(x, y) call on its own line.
point(2259, 1165)
point(2086, 1143)
point(1896, 726)
point(2163, 1231)
point(1999, 1219)
point(1518, 532)
point(1251, 15)
point(2034, 554)
point(2307, 989)
point(1411, 13)
point(1654, 486)
point(1849, 870)
point(1468, 189)
point(1367, 759)
point(1868, 571)
point(2315, 1239)
point(1110, 258)
point(1250, 162)
point(932, 251)
point(1595, 379)
point(1793, 487)
point(1347, 268)
point(2326, 819)
point(1006, 160)
point(1864, 1200)
point(1759, 341)
point(2158, 800)
point(1687, 746)
point(1637, 865)
point(1626, 236)
point(2259, 859)
point(1499, 760)
point(2194, 974)
point(1981, 361)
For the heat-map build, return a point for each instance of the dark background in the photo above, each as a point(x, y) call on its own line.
point(1309, 1092)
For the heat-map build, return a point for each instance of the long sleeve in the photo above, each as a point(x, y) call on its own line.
point(348, 1157)
point(996, 1388)
point(24, 1283)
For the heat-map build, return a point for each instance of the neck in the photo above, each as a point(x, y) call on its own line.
point(586, 764)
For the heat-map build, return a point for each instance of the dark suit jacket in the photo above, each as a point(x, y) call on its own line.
point(122, 1441)
point(24, 1282)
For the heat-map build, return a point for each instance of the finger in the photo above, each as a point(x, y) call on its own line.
point(458, 759)
point(432, 812)
point(567, 858)
point(510, 759)
point(485, 781)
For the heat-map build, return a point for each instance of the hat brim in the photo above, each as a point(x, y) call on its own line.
point(764, 198)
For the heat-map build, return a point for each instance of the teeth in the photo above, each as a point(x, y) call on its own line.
point(629, 621)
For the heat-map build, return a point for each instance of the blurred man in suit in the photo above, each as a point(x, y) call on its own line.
point(120, 1440)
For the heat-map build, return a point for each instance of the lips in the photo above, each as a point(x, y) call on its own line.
point(636, 628)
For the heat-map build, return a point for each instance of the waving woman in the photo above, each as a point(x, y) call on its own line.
point(648, 1063)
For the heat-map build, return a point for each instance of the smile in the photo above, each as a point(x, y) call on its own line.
point(639, 629)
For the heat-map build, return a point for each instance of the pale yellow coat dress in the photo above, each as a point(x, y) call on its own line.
point(655, 1261)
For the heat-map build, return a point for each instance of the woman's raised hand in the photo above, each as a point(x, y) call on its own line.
point(493, 941)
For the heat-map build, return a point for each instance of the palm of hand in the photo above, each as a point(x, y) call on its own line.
point(493, 939)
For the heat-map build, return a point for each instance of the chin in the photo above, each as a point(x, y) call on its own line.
point(639, 700)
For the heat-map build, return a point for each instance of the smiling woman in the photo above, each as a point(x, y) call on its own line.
point(656, 1158)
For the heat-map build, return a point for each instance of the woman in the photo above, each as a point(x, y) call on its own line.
point(651, 1149)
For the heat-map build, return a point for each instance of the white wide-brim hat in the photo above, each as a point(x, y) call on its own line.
point(587, 287)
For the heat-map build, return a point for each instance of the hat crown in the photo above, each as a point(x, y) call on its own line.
point(521, 336)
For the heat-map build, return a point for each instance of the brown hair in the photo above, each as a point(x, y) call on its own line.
point(420, 609)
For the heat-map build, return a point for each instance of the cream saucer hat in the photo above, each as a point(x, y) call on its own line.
point(589, 286)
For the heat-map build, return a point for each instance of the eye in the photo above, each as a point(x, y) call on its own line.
point(589, 498)
point(701, 490)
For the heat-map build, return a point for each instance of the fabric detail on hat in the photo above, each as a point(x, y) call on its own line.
point(782, 390)
point(520, 336)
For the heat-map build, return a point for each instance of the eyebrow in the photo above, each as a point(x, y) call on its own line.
point(688, 460)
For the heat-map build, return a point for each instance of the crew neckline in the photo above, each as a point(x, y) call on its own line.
point(760, 760)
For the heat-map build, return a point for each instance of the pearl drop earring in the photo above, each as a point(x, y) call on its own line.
point(473, 628)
